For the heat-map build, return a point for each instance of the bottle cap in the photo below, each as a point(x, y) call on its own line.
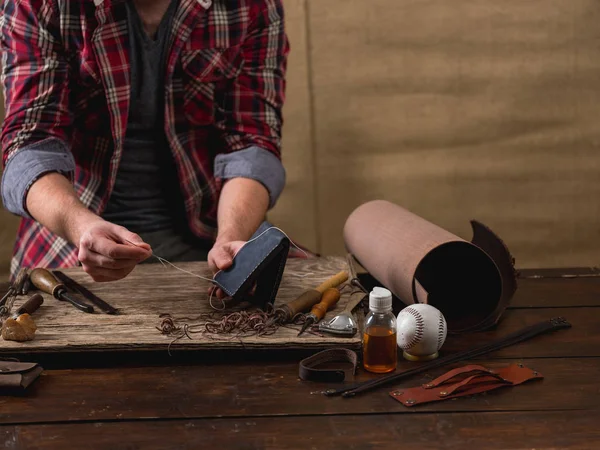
point(380, 299)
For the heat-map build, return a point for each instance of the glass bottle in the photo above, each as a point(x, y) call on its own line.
point(380, 352)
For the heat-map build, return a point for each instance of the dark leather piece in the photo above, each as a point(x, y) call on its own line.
point(496, 249)
point(310, 369)
point(260, 262)
point(467, 380)
point(16, 377)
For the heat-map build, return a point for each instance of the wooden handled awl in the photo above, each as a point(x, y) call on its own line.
point(308, 299)
point(45, 282)
point(30, 306)
point(329, 299)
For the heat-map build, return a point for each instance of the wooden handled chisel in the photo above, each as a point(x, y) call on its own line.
point(45, 282)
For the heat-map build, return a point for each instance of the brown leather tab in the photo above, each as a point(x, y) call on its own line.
point(311, 368)
point(455, 373)
point(480, 381)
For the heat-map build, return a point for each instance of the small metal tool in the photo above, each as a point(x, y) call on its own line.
point(45, 281)
point(344, 324)
point(329, 299)
point(15, 288)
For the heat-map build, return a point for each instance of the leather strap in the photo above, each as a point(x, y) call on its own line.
point(471, 380)
point(310, 371)
point(557, 323)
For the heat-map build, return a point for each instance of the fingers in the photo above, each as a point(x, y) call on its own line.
point(93, 259)
point(220, 258)
point(129, 237)
point(109, 252)
point(102, 275)
point(103, 245)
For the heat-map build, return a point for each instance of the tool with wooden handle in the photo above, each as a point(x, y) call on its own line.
point(30, 306)
point(45, 282)
point(70, 283)
point(329, 299)
point(308, 299)
point(15, 288)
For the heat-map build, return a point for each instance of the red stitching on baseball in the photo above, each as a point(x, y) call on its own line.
point(441, 332)
point(419, 330)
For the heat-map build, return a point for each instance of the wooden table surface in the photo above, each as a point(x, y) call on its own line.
point(255, 400)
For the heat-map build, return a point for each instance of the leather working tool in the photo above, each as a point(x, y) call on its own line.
point(467, 380)
point(30, 306)
point(45, 282)
point(84, 292)
point(310, 369)
point(330, 297)
point(557, 323)
point(344, 324)
point(308, 299)
point(16, 287)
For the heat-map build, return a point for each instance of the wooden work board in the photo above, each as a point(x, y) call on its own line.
point(151, 290)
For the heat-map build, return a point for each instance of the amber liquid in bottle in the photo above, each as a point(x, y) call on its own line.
point(380, 353)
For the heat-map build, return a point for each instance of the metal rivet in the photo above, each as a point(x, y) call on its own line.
point(428, 385)
point(398, 393)
point(443, 393)
point(410, 401)
point(521, 365)
point(535, 373)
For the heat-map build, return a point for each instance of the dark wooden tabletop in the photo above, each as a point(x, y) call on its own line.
point(256, 401)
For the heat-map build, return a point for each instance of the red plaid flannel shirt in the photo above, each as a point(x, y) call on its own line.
point(66, 77)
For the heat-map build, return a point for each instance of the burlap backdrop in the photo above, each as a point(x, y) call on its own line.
point(455, 110)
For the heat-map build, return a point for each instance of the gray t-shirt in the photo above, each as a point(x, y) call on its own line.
point(146, 197)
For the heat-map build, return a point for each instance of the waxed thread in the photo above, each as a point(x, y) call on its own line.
point(164, 263)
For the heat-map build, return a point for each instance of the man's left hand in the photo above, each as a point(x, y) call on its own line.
point(221, 257)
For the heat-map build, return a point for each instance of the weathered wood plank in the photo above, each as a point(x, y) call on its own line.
point(582, 340)
point(506, 430)
point(151, 290)
point(230, 389)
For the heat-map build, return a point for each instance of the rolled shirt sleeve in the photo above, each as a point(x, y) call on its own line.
point(27, 165)
point(255, 163)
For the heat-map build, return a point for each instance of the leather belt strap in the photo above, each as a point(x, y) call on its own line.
point(467, 380)
point(511, 339)
point(310, 371)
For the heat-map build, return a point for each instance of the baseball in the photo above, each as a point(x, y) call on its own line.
point(421, 332)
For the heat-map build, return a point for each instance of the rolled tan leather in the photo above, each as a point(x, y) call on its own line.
point(471, 283)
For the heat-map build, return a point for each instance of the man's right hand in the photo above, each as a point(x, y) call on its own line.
point(109, 252)
point(104, 249)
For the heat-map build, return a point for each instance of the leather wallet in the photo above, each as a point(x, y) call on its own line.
point(259, 262)
point(16, 377)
